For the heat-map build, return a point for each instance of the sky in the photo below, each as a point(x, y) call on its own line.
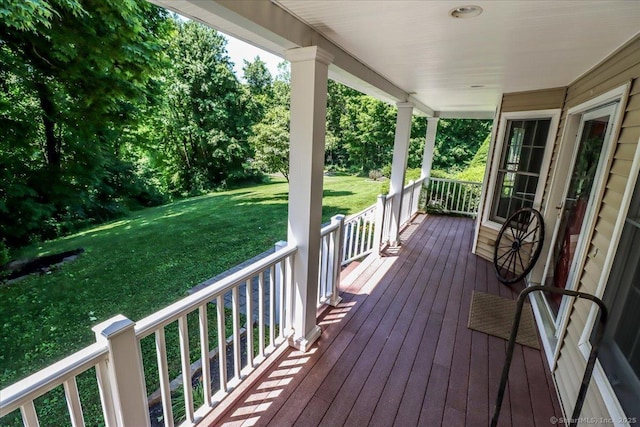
point(239, 50)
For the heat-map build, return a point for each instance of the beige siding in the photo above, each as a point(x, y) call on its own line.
point(620, 68)
point(546, 99)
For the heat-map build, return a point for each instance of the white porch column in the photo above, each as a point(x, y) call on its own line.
point(429, 144)
point(399, 167)
point(309, 74)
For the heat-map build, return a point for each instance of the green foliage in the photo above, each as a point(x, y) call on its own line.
point(270, 140)
point(204, 128)
point(457, 140)
point(65, 107)
point(410, 175)
point(475, 171)
point(368, 131)
point(178, 401)
point(4, 254)
point(437, 173)
point(258, 77)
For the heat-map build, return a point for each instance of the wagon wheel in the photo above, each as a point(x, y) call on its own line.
point(518, 245)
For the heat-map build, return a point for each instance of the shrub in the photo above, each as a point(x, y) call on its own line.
point(410, 175)
point(375, 175)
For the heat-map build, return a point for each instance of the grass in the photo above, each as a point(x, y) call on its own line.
point(141, 263)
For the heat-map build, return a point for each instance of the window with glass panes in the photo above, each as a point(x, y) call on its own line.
point(520, 164)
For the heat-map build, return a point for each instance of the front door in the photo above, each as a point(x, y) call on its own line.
point(576, 207)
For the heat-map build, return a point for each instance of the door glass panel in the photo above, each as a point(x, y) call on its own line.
point(572, 219)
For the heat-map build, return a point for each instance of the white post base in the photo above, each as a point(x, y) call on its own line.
point(304, 343)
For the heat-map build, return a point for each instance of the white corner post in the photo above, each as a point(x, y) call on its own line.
point(279, 283)
point(335, 250)
point(123, 377)
point(309, 74)
point(379, 235)
point(399, 167)
point(429, 144)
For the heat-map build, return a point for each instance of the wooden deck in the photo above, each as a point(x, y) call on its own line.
point(397, 351)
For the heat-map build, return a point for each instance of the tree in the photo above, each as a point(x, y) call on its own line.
point(457, 140)
point(258, 77)
point(270, 141)
point(204, 141)
point(72, 86)
point(368, 131)
point(259, 84)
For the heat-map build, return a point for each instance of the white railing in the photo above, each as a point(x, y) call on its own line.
point(274, 314)
point(331, 243)
point(410, 199)
point(359, 234)
point(22, 394)
point(265, 319)
point(383, 220)
point(456, 197)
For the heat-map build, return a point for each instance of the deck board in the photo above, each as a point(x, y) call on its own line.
point(397, 350)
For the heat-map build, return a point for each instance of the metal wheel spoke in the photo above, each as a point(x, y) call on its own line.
point(512, 233)
point(506, 260)
point(521, 262)
point(530, 233)
point(530, 243)
point(531, 219)
point(503, 255)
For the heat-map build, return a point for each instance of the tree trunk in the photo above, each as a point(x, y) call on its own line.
point(52, 144)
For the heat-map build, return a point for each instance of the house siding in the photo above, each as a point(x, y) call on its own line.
point(620, 68)
point(546, 99)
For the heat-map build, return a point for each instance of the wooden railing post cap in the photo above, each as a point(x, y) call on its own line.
point(382, 197)
point(337, 218)
point(113, 326)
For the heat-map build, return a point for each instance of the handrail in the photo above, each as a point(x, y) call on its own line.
point(586, 379)
point(453, 196)
point(455, 180)
point(363, 212)
point(327, 229)
point(41, 382)
point(169, 314)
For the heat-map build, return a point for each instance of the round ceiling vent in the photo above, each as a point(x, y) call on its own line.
point(470, 11)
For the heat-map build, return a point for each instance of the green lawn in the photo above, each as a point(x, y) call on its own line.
point(143, 262)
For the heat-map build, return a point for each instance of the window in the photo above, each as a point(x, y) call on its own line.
point(521, 160)
point(620, 351)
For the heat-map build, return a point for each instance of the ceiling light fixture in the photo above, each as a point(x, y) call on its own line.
point(470, 11)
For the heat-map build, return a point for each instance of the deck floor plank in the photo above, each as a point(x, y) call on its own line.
point(397, 351)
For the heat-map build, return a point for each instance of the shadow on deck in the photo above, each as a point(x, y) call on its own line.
point(397, 350)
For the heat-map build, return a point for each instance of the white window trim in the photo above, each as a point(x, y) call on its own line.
point(554, 115)
point(487, 173)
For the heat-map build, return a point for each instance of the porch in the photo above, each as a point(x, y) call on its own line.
point(397, 350)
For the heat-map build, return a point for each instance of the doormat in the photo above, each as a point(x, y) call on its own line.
point(493, 315)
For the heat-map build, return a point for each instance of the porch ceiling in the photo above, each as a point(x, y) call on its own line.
point(416, 51)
